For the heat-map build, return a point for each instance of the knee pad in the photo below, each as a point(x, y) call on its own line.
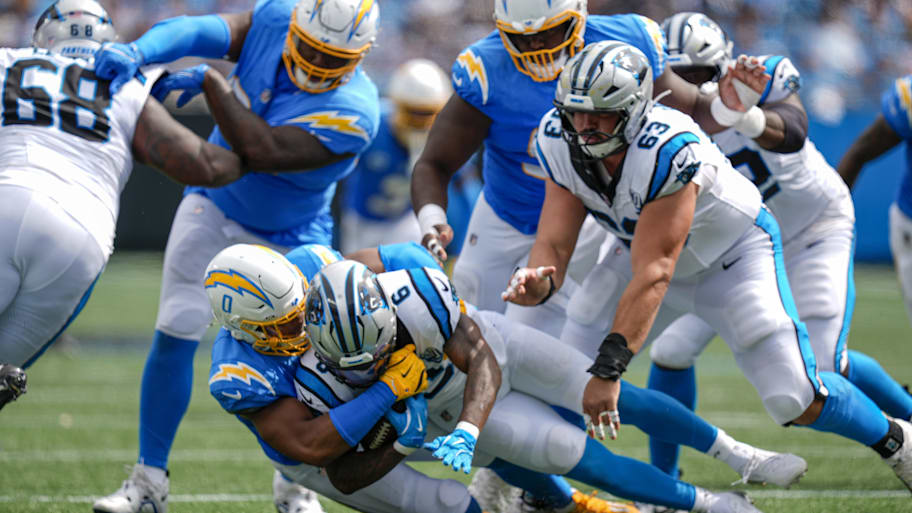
point(814, 295)
point(784, 408)
point(682, 342)
point(565, 446)
point(184, 313)
point(749, 325)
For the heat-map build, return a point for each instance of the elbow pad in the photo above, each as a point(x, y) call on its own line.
point(795, 127)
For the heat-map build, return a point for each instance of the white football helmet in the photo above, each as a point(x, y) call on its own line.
point(341, 30)
point(351, 322)
point(607, 76)
point(419, 88)
point(258, 295)
point(517, 18)
point(73, 28)
point(696, 41)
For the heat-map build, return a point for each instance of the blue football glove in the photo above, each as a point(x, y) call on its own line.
point(189, 80)
point(455, 449)
point(118, 63)
point(411, 425)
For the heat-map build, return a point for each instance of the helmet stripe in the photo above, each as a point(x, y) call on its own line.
point(352, 307)
point(334, 311)
point(594, 65)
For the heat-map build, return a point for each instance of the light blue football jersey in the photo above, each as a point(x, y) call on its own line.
point(293, 208)
point(896, 105)
point(484, 76)
point(242, 379)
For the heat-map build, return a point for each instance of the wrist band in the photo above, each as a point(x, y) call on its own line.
point(430, 216)
point(752, 123)
point(402, 449)
point(468, 427)
point(550, 291)
point(722, 114)
point(612, 359)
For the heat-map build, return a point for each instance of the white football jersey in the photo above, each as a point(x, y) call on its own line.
point(428, 309)
point(63, 134)
point(797, 187)
point(669, 151)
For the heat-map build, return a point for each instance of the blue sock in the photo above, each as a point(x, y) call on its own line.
point(660, 416)
point(631, 479)
point(681, 385)
point(473, 507)
point(554, 489)
point(850, 413)
point(866, 374)
point(166, 386)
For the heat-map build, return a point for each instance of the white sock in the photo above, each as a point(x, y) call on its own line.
point(734, 453)
point(157, 475)
point(704, 500)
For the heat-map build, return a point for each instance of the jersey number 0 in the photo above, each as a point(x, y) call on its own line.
point(76, 80)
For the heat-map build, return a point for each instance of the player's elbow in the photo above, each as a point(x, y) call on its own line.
point(658, 274)
point(345, 482)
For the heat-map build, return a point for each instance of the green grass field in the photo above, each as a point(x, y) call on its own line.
point(69, 439)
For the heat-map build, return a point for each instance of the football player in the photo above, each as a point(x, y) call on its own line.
point(262, 373)
point(503, 85)
point(816, 216)
point(298, 110)
point(700, 239)
point(891, 127)
point(376, 196)
point(67, 144)
point(491, 384)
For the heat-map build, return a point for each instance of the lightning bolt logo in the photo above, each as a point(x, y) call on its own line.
point(362, 12)
point(904, 88)
point(241, 372)
point(474, 68)
point(236, 282)
point(334, 121)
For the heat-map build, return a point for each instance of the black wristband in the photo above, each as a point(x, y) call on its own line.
point(612, 359)
point(550, 291)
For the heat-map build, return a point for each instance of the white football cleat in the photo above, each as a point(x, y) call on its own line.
point(492, 493)
point(140, 493)
point(901, 461)
point(732, 502)
point(780, 469)
point(655, 508)
point(290, 497)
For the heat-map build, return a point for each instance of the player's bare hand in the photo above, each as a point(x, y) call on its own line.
point(743, 84)
point(529, 285)
point(600, 411)
point(436, 239)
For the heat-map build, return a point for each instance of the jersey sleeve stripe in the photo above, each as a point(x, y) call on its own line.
point(666, 155)
point(770, 64)
point(428, 293)
point(310, 381)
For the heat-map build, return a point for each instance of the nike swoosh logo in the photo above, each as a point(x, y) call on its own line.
point(236, 395)
point(406, 373)
point(725, 265)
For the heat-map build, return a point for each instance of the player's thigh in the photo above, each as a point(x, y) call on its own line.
point(51, 263)
point(199, 231)
point(491, 252)
point(403, 489)
point(680, 344)
point(820, 275)
point(901, 248)
point(527, 432)
point(537, 364)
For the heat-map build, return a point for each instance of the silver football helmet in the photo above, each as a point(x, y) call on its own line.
point(342, 30)
point(74, 28)
point(258, 295)
point(695, 41)
point(351, 322)
point(605, 77)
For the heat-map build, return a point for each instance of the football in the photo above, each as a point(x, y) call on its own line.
point(383, 432)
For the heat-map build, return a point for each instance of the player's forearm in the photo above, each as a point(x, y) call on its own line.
point(239, 125)
point(545, 253)
point(482, 383)
point(639, 305)
point(429, 185)
point(786, 128)
point(198, 36)
point(354, 470)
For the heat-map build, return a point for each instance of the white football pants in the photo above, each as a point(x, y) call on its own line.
point(901, 248)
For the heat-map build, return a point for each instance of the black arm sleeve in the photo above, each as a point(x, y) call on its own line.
point(795, 127)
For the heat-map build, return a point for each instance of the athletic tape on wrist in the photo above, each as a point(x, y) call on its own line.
point(469, 428)
point(430, 216)
point(722, 114)
point(752, 124)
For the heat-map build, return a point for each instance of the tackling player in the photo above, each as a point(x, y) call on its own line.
point(891, 127)
point(490, 383)
point(298, 110)
point(67, 146)
point(504, 83)
point(700, 239)
point(814, 210)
